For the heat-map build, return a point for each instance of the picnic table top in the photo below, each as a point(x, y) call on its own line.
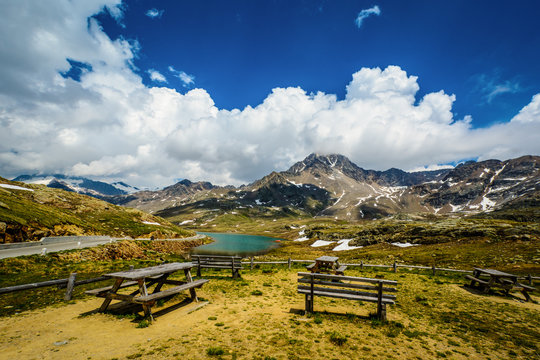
point(150, 271)
point(327, 259)
point(496, 273)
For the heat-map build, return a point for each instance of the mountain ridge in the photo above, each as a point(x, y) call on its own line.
point(332, 185)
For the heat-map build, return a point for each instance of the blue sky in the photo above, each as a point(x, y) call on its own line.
point(487, 53)
point(147, 92)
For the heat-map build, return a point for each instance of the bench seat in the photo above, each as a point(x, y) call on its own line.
point(358, 296)
point(175, 290)
point(480, 281)
point(527, 287)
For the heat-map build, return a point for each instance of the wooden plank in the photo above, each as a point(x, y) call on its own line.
point(15, 288)
point(327, 258)
point(527, 287)
point(347, 278)
point(107, 288)
point(345, 291)
point(150, 271)
point(347, 285)
point(470, 277)
point(171, 291)
point(347, 296)
point(211, 266)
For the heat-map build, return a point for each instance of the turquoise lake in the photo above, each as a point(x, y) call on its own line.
point(236, 244)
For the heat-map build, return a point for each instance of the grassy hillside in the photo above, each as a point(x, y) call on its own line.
point(38, 211)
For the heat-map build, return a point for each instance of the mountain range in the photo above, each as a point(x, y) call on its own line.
point(81, 185)
point(332, 185)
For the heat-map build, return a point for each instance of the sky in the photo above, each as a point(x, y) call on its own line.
point(149, 92)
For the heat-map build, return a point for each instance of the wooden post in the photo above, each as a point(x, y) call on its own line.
point(311, 295)
point(198, 266)
point(379, 301)
point(361, 265)
point(395, 267)
point(289, 263)
point(529, 277)
point(70, 286)
point(433, 268)
point(251, 264)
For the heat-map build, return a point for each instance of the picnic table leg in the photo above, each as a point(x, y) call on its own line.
point(147, 307)
point(192, 290)
point(490, 283)
point(113, 290)
point(526, 294)
point(160, 283)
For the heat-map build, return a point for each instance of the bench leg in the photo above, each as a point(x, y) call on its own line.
point(309, 304)
point(198, 271)
point(381, 312)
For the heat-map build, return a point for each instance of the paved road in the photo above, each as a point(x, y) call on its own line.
point(47, 248)
point(67, 245)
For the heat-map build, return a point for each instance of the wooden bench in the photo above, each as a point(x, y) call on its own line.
point(347, 287)
point(218, 262)
point(341, 270)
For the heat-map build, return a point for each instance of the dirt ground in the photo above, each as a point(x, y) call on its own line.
point(260, 317)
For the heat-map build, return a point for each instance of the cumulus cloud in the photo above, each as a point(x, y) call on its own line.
point(184, 77)
point(156, 76)
point(362, 15)
point(108, 125)
point(154, 13)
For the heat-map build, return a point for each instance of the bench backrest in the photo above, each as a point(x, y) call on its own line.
point(220, 260)
point(339, 284)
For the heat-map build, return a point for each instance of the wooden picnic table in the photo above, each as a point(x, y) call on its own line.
point(144, 278)
point(327, 264)
point(488, 279)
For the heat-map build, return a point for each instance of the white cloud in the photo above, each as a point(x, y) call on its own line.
point(492, 86)
point(362, 15)
point(432, 167)
point(156, 76)
point(184, 77)
point(111, 126)
point(154, 13)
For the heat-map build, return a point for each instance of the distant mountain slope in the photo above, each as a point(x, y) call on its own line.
point(29, 212)
point(79, 185)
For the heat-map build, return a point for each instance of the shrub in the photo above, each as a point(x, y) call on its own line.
point(143, 324)
point(337, 339)
point(215, 351)
point(256, 292)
